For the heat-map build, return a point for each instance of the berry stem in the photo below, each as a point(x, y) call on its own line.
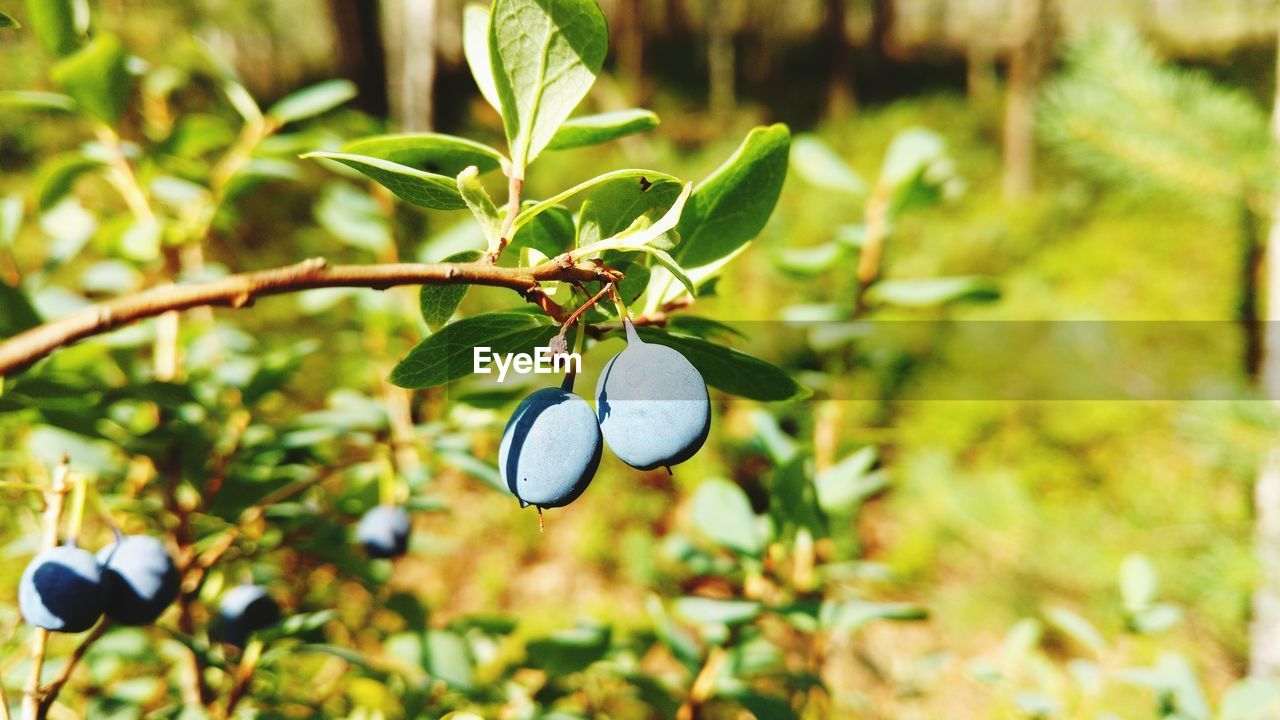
point(79, 489)
point(55, 500)
point(387, 482)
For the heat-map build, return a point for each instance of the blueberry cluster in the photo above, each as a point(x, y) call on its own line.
point(652, 409)
point(68, 589)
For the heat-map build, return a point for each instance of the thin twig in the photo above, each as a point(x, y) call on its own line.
point(49, 695)
point(54, 501)
point(703, 684)
point(514, 187)
point(244, 675)
point(243, 288)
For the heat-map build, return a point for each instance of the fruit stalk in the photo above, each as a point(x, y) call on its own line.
point(55, 499)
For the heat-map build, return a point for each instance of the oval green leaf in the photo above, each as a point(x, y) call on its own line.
point(545, 57)
point(423, 189)
point(449, 354)
point(430, 152)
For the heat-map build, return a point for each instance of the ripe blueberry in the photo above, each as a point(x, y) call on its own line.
point(384, 531)
point(62, 590)
point(246, 609)
point(140, 577)
point(550, 449)
point(652, 404)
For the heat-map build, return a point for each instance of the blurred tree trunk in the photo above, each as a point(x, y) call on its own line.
point(1264, 629)
point(358, 28)
point(411, 54)
point(631, 49)
point(980, 50)
point(720, 57)
point(841, 97)
point(881, 46)
point(1019, 116)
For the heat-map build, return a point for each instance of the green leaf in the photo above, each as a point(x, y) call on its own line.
point(852, 615)
point(11, 210)
point(795, 501)
point(96, 78)
point(708, 611)
point(478, 200)
point(722, 512)
point(354, 218)
point(1077, 628)
point(449, 659)
point(8, 22)
point(817, 164)
point(440, 302)
point(550, 232)
point(846, 484)
point(1138, 583)
point(311, 101)
point(475, 45)
point(614, 205)
point(596, 129)
point(54, 22)
point(58, 177)
point(909, 154)
point(545, 56)
point(933, 292)
point(432, 152)
point(731, 206)
point(813, 260)
point(1250, 699)
point(424, 189)
point(648, 239)
point(449, 355)
point(729, 370)
point(36, 100)
point(569, 651)
point(16, 311)
point(647, 176)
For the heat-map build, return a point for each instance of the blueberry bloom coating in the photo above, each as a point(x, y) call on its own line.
point(384, 531)
point(652, 405)
point(140, 577)
point(62, 590)
point(246, 609)
point(550, 449)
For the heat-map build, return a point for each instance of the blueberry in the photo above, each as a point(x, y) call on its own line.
point(140, 577)
point(62, 590)
point(246, 609)
point(550, 449)
point(384, 531)
point(652, 404)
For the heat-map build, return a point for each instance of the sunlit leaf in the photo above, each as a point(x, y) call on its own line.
point(544, 58)
point(596, 129)
point(96, 78)
point(311, 101)
point(439, 302)
point(424, 189)
point(449, 354)
point(431, 152)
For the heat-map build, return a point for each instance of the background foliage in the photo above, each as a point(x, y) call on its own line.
point(821, 557)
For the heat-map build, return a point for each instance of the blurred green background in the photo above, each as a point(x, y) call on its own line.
point(1092, 174)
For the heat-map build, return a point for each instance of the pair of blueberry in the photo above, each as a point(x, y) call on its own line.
point(132, 581)
point(67, 589)
point(652, 408)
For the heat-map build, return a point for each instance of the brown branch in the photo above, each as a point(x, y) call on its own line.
point(49, 695)
point(242, 289)
point(243, 676)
